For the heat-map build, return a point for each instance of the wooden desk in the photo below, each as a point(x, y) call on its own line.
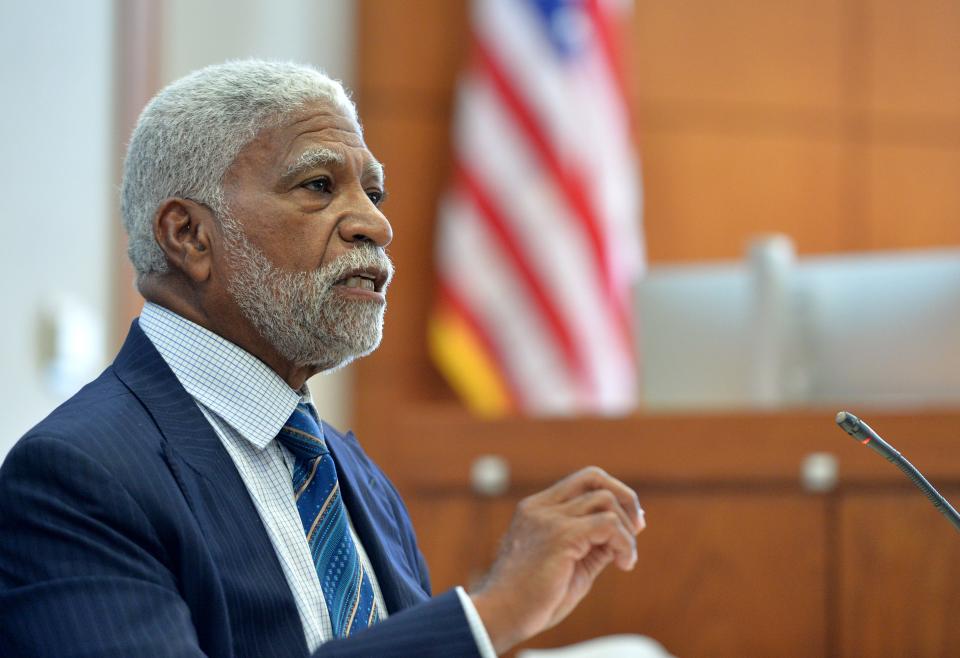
point(738, 558)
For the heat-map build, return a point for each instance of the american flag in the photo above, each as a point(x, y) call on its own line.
point(538, 236)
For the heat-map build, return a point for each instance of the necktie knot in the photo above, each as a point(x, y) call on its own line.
point(301, 434)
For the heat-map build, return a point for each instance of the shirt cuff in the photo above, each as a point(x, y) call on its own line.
point(484, 645)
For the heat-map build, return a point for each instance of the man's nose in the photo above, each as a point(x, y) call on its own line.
point(365, 223)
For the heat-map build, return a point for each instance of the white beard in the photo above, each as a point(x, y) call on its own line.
point(301, 313)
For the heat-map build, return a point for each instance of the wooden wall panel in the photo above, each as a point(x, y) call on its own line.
point(409, 56)
point(737, 558)
point(455, 534)
point(776, 54)
point(403, 140)
point(688, 589)
point(900, 566)
point(415, 47)
point(722, 574)
point(750, 449)
point(735, 144)
point(731, 570)
point(914, 196)
point(768, 183)
point(913, 57)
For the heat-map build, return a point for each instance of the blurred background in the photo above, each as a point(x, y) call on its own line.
point(801, 219)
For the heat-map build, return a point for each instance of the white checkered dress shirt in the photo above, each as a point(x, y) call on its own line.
point(247, 403)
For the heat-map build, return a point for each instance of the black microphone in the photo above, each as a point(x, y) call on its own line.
point(865, 435)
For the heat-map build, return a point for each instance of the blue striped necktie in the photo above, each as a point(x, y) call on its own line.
point(345, 583)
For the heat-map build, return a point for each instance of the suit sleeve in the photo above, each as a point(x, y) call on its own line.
point(81, 568)
point(435, 629)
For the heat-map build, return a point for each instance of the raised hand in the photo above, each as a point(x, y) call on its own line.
point(558, 542)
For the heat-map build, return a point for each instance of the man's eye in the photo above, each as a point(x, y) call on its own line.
point(321, 184)
point(376, 196)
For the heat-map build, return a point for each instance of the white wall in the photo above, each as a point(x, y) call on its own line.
point(56, 209)
point(318, 32)
point(59, 199)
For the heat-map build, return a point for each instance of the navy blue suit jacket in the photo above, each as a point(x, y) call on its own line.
point(125, 530)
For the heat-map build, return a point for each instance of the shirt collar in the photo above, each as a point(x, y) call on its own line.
point(237, 386)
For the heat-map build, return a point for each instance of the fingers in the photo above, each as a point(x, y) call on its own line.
point(605, 530)
point(597, 560)
point(599, 500)
point(593, 478)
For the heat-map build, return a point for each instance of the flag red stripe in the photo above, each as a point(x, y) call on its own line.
point(494, 218)
point(452, 299)
point(566, 183)
point(569, 185)
point(610, 48)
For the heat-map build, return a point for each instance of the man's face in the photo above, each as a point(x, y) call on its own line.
point(303, 239)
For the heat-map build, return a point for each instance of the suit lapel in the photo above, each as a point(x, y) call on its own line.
point(227, 516)
point(229, 522)
point(376, 525)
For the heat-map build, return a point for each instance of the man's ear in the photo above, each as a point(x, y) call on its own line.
point(183, 229)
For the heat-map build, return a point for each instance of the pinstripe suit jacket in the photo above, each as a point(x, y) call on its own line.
point(125, 530)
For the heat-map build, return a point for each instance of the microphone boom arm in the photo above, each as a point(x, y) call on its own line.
point(863, 433)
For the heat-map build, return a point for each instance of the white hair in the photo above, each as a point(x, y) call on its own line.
point(192, 131)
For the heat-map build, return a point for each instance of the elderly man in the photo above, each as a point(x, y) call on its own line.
point(189, 501)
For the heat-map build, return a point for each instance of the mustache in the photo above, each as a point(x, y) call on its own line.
point(366, 258)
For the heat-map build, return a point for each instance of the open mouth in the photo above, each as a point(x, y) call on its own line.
point(372, 280)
